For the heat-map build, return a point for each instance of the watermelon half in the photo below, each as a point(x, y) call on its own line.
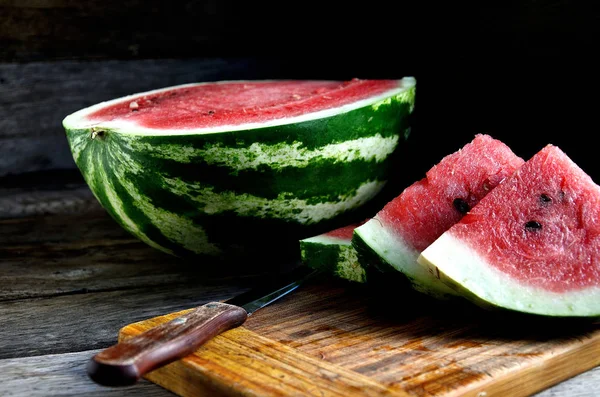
point(226, 167)
point(532, 245)
point(333, 252)
point(396, 235)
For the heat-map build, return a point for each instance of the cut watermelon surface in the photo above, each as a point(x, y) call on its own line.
point(397, 234)
point(333, 253)
point(210, 168)
point(532, 245)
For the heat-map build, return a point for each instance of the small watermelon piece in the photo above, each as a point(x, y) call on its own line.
point(333, 253)
point(235, 168)
point(532, 245)
point(406, 225)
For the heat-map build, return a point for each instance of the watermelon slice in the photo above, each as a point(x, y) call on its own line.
point(333, 252)
point(532, 245)
point(226, 167)
point(405, 226)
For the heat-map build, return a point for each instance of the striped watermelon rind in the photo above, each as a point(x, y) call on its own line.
point(218, 191)
point(333, 255)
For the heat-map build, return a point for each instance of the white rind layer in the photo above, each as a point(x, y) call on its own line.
point(78, 119)
point(394, 251)
point(461, 267)
point(327, 240)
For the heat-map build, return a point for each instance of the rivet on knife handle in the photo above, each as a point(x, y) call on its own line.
point(124, 363)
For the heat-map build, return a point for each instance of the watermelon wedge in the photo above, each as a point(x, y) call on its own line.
point(333, 253)
point(397, 234)
point(532, 245)
point(234, 167)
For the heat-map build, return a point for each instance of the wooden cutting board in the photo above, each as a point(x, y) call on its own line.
point(330, 338)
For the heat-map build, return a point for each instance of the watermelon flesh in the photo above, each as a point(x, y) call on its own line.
point(405, 226)
point(229, 104)
point(333, 253)
point(532, 245)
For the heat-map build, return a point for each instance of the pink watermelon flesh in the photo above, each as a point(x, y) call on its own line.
point(237, 103)
point(345, 232)
point(542, 228)
point(450, 189)
point(532, 245)
point(423, 211)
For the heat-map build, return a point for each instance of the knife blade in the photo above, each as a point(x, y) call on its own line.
point(124, 363)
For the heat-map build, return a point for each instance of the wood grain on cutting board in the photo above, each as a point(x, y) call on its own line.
point(334, 339)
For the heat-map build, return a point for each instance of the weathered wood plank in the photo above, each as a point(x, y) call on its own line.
point(87, 321)
point(62, 260)
point(62, 375)
point(54, 255)
point(16, 203)
point(87, 251)
point(89, 278)
point(44, 193)
point(65, 375)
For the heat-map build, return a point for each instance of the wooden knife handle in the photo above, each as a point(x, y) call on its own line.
point(124, 363)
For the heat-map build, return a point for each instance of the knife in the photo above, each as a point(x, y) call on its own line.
point(126, 362)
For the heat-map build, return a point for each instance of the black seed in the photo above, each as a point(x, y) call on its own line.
point(562, 195)
point(211, 112)
point(545, 199)
point(533, 226)
point(461, 205)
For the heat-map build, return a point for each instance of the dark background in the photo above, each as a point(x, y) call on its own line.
point(524, 72)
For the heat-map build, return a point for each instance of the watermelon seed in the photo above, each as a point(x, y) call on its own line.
point(461, 205)
point(533, 226)
point(562, 195)
point(544, 198)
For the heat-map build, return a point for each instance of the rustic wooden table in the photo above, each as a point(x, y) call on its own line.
point(71, 278)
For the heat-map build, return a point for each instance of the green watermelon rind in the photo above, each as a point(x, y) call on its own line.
point(380, 248)
point(176, 189)
point(475, 279)
point(334, 256)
